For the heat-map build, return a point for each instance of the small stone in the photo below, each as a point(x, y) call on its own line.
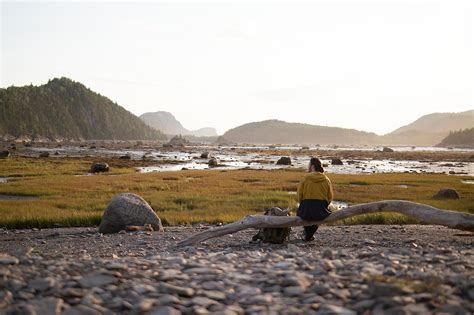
point(6, 259)
point(261, 299)
point(215, 295)
point(386, 289)
point(363, 305)
point(293, 291)
point(144, 288)
point(97, 279)
point(182, 291)
point(328, 253)
point(42, 284)
point(164, 310)
point(81, 310)
point(145, 305)
point(116, 266)
point(203, 301)
point(330, 309)
point(6, 298)
point(166, 299)
point(328, 265)
point(49, 305)
point(451, 309)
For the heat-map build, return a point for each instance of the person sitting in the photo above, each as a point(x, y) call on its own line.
point(315, 193)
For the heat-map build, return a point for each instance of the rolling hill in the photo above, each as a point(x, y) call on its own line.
point(64, 108)
point(431, 129)
point(277, 131)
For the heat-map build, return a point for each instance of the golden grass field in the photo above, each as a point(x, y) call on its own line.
point(66, 199)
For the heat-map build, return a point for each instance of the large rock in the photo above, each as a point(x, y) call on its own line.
point(447, 193)
point(44, 154)
point(128, 209)
point(387, 149)
point(206, 155)
point(213, 162)
point(99, 167)
point(336, 161)
point(4, 154)
point(284, 160)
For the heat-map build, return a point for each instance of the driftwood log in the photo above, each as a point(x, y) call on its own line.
point(423, 213)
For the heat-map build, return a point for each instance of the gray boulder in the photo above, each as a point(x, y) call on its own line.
point(128, 209)
point(44, 155)
point(387, 149)
point(284, 160)
point(446, 193)
point(337, 161)
point(99, 167)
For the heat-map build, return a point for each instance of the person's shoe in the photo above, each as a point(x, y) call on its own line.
point(305, 239)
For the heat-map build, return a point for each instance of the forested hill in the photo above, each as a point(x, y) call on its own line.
point(64, 108)
point(461, 139)
point(277, 131)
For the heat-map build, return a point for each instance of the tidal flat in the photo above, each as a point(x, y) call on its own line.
point(60, 191)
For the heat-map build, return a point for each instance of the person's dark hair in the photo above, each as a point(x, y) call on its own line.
point(318, 165)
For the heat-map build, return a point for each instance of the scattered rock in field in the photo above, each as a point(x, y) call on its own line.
point(44, 154)
point(387, 149)
point(99, 167)
point(128, 209)
point(284, 160)
point(446, 193)
point(336, 161)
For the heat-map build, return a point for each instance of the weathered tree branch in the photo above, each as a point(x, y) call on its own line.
point(423, 213)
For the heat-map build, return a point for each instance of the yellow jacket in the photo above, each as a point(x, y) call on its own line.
point(315, 185)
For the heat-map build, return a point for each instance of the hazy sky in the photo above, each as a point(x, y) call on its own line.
point(369, 65)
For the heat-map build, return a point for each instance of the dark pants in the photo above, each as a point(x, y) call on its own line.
point(312, 210)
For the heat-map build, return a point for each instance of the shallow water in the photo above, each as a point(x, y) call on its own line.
point(16, 197)
point(189, 158)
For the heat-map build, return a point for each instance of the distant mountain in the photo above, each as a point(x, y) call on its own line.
point(277, 131)
point(168, 124)
point(431, 129)
point(460, 139)
point(64, 108)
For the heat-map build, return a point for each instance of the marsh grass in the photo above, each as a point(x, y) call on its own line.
point(184, 197)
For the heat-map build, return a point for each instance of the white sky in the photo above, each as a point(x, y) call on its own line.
point(369, 65)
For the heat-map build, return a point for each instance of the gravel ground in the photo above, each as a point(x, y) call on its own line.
point(346, 270)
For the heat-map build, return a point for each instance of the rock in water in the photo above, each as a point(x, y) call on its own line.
point(128, 209)
point(206, 155)
point(387, 149)
point(99, 167)
point(44, 155)
point(284, 160)
point(213, 162)
point(336, 161)
point(447, 193)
